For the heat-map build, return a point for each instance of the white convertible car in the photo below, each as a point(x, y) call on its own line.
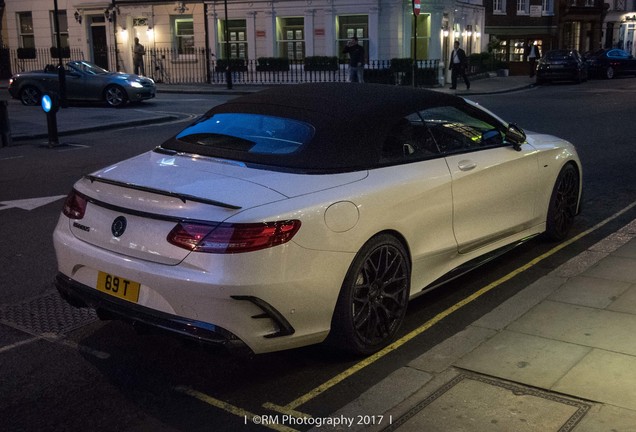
point(309, 213)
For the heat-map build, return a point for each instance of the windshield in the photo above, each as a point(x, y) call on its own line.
point(248, 133)
point(88, 68)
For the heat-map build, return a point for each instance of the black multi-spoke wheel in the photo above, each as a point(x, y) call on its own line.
point(563, 203)
point(373, 298)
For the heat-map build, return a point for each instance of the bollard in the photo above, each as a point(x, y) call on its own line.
point(50, 105)
point(5, 127)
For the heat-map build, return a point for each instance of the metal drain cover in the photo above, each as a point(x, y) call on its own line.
point(47, 316)
point(471, 402)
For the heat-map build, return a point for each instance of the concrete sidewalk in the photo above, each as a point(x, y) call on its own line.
point(558, 356)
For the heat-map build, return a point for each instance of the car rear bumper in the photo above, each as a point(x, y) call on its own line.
point(80, 295)
point(559, 74)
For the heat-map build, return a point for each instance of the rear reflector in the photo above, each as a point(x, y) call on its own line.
point(232, 238)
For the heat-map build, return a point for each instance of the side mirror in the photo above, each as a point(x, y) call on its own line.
point(516, 135)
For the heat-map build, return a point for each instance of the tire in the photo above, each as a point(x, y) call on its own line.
point(373, 297)
point(115, 96)
point(609, 72)
point(30, 96)
point(563, 204)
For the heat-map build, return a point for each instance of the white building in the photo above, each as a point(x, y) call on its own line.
point(292, 29)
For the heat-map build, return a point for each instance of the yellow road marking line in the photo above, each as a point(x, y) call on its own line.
point(281, 409)
point(250, 418)
point(18, 344)
point(430, 323)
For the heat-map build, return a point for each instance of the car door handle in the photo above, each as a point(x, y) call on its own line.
point(466, 165)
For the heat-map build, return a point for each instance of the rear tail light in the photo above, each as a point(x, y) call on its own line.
point(232, 238)
point(75, 205)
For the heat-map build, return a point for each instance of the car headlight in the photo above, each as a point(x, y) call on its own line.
point(135, 84)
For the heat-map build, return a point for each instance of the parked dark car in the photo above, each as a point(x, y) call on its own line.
point(84, 82)
point(608, 63)
point(562, 65)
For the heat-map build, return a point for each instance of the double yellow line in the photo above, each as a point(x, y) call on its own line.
point(291, 407)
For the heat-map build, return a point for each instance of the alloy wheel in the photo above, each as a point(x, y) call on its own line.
point(563, 203)
point(115, 96)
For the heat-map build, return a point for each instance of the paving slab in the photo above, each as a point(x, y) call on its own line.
point(626, 251)
point(626, 302)
point(597, 328)
point(590, 292)
point(615, 267)
point(524, 358)
point(516, 306)
point(603, 376)
point(446, 353)
point(607, 418)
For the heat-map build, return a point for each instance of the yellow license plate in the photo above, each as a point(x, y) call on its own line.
point(118, 287)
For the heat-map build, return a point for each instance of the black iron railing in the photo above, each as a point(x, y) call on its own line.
point(200, 66)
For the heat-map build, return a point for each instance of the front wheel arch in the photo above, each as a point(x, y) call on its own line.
point(373, 298)
point(564, 203)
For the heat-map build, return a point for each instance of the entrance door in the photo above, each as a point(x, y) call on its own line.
point(99, 44)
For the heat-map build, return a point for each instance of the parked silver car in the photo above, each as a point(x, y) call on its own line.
point(84, 82)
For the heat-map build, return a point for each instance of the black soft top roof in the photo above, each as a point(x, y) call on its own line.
point(351, 122)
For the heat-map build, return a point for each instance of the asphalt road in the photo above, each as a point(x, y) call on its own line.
point(64, 370)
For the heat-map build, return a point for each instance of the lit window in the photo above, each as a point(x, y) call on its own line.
point(184, 34)
point(291, 38)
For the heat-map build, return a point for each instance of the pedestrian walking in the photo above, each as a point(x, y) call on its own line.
point(138, 58)
point(356, 60)
point(458, 65)
point(532, 54)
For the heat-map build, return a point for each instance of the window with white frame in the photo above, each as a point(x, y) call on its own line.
point(350, 26)
point(237, 33)
point(499, 7)
point(25, 30)
point(62, 20)
point(183, 28)
point(547, 7)
point(522, 7)
point(291, 38)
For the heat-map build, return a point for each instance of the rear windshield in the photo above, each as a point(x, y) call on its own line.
point(249, 133)
point(559, 55)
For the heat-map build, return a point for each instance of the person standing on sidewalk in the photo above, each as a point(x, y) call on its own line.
point(356, 60)
point(458, 64)
point(138, 58)
point(532, 54)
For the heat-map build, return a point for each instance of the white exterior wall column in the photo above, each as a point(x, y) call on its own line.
point(250, 29)
point(435, 46)
point(309, 32)
point(213, 30)
point(374, 33)
point(270, 33)
point(330, 32)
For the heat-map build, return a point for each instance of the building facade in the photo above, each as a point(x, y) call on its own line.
point(176, 34)
point(619, 27)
